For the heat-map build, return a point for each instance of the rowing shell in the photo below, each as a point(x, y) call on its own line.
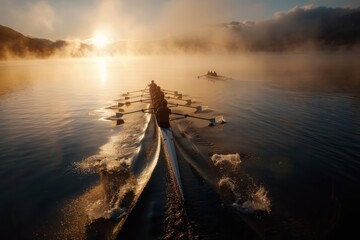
point(171, 157)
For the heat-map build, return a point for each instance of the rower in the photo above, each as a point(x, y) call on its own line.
point(162, 115)
point(158, 100)
point(155, 92)
point(152, 86)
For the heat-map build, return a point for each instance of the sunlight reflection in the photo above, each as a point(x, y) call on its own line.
point(102, 69)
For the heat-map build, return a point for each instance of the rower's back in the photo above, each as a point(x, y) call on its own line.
point(163, 115)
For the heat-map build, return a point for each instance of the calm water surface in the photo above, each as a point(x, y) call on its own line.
point(287, 163)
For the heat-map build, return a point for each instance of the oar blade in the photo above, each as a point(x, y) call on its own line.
point(198, 109)
point(212, 122)
point(119, 115)
point(119, 122)
point(115, 107)
point(216, 120)
point(220, 119)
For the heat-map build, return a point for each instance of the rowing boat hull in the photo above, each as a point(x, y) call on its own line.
point(170, 152)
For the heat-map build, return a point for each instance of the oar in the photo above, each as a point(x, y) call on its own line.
point(179, 95)
point(143, 95)
point(202, 76)
point(188, 102)
point(198, 108)
point(119, 115)
point(128, 103)
point(127, 93)
point(117, 107)
point(170, 91)
point(142, 90)
point(212, 121)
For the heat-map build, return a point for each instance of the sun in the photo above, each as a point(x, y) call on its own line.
point(100, 41)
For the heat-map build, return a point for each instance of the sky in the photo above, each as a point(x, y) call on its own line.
point(137, 19)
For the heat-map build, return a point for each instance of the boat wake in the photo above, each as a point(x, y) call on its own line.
point(224, 172)
point(124, 165)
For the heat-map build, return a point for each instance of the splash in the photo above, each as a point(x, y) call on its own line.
point(258, 201)
point(237, 188)
point(226, 162)
point(227, 189)
point(114, 206)
point(220, 119)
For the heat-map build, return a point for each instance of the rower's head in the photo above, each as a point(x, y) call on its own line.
point(152, 81)
point(164, 103)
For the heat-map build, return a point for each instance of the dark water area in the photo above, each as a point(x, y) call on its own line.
point(285, 165)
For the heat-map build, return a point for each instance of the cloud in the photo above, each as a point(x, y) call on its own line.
point(42, 15)
point(306, 25)
point(33, 18)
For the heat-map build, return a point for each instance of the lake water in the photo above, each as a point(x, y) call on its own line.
point(286, 165)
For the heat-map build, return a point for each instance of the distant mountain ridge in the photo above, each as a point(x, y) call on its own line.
point(15, 45)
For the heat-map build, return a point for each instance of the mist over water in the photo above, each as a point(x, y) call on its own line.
point(285, 162)
point(115, 32)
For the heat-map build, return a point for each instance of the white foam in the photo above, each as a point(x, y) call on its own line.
point(258, 201)
point(110, 165)
point(121, 188)
point(97, 209)
point(224, 161)
point(227, 183)
point(100, 209)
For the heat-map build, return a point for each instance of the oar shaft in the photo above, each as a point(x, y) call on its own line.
point(135, 91)
point(175, 92)
point(137, 96)
point(176, 104)
point(142, 100)
point(136, 111)
point(142, 90)
point(187, 101)
point(186, 115)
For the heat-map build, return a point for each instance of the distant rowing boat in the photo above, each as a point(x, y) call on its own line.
point(214, 76)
